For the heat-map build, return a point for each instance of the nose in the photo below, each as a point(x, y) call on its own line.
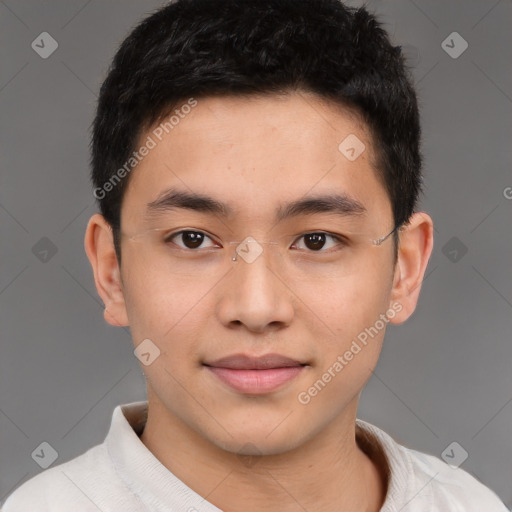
point(253, 292)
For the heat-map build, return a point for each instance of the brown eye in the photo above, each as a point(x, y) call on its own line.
point(316, 241)
point(190, 239)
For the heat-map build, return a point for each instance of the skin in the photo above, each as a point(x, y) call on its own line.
point(255, 153)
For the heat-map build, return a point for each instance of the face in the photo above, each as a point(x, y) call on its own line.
point(256, 155)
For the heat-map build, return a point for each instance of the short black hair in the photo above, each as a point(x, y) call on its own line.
point(200, 48)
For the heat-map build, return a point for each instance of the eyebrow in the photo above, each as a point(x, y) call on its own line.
point(338, 204)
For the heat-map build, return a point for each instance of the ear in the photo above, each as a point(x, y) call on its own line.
point(415, 248)
point(99, 246)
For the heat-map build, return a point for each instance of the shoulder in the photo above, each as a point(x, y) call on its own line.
point(75, 484)
point(450, 488)
point(419, 481)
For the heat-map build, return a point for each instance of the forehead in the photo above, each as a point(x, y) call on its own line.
point(256, 154)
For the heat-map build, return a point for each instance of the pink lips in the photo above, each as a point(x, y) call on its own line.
point(255, 375)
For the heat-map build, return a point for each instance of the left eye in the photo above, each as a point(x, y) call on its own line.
point(314, 241)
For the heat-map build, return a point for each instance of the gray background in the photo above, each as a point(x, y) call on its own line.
point(443, 376)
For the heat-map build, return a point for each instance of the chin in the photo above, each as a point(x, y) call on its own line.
point(264, 438)
point(256, 446)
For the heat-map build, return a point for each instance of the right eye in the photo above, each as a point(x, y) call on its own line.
point(190, 239)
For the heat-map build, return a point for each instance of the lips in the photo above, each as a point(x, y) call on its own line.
point(244, 362)
point(255, 375)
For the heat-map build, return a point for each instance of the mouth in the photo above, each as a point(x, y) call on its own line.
point(255, 375)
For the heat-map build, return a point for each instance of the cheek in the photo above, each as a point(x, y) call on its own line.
point(346, 306)
point(348, 312)
point(347, 355)
point(167, 311)
point(163, 308)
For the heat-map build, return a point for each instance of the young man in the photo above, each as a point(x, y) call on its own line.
point(257, 167)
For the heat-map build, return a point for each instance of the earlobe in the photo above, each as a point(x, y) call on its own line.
point(111, 319)
point(99, 246)
point(415, 248)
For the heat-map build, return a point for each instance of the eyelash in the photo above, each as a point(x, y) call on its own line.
point(341, 240)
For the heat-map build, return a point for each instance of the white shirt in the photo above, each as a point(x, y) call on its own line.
point(122, 475)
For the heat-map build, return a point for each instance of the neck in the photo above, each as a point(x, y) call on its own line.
point(329, 472)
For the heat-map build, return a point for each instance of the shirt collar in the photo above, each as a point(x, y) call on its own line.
point(145, 475)
point(142, 472)
point(380, 446)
